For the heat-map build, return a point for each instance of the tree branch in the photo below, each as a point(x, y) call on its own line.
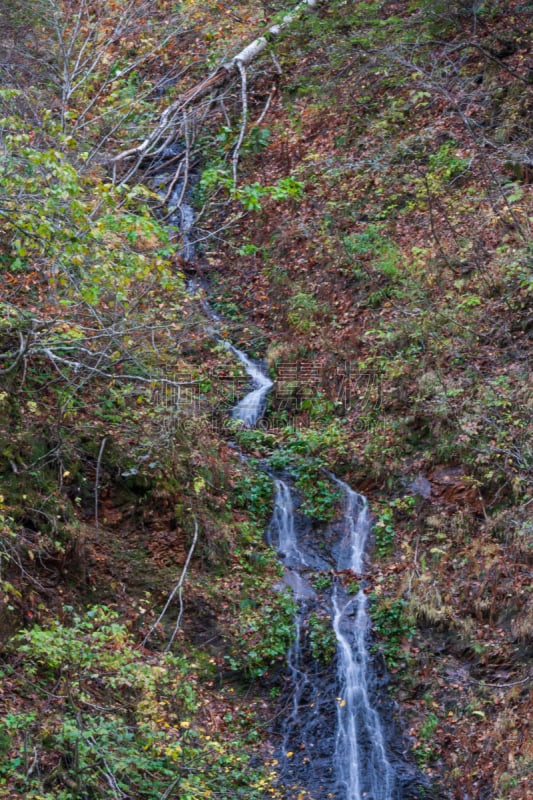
point(150, 145)
point(244, 101)
point(178, 588)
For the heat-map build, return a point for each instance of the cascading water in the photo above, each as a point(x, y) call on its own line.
point(252, 406)
point(363, 769)
point(283, 524)
point(333, 743)
point(333, 734)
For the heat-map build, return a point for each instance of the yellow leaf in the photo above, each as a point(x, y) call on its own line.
point(198, 484)
point(341, 702)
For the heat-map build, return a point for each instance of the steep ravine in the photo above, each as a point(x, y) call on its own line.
point(333, 739)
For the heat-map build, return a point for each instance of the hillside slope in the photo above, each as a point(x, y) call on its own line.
point(375, 250)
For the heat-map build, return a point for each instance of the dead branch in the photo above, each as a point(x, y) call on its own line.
point(501, 685)
point(97, 485)
point(177, 589)
point(264, 112)
point(23, 344)
point(187, 160)
point(81, 367)
point(164, 130)
point(244, 101)
point(180, 586)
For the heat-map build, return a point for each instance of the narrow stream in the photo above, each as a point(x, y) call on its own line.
point(252, 406)
point(363, 769)
point(332, 740)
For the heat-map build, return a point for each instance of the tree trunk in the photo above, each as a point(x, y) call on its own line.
point(164, 132)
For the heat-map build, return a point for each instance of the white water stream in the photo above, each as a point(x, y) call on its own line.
point(250, 409)
point(363, 769)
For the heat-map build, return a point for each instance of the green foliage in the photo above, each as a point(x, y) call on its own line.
point(383, 529)
point(320, 497)
point(392, 624)
point(376, 248)
point(322, 582)
point(353, 587)
point(423, 750)
point(368, 242)
point(303, 309)
point(217, 179)
point(95, 299)
point(251, 195)
point(287, 188)
point(428, 727)
point(143, 738)
point(257, 139)
point(263, 631)
point(384, 532)
point(259, 612)
point(248, 250)
point(322, 638)
point(517, 276)
point(444, 17)
point(445, 166)
point(255, 439)
point(254, 493)
point(314, 442)
point(305, 456)
point(95, 238)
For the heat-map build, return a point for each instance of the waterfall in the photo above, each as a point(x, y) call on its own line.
point(363, 770)
point(332, 739)
point(283, 526)
point(333, 744)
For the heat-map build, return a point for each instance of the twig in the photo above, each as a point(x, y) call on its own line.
point(185, 181)
point(34, 764)
point(79, 366)
point(178, 588)
point(180, 584)
point(166, 794)
point(501, 685)
point(97, 482)
point(171, 185)
point(224, 111)
point(22, 349)
point(265, 110)
point(276, 63)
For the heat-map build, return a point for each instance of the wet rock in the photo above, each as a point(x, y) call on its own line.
point(420, 486)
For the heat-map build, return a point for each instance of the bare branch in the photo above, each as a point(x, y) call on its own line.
point(178, 588)
point(150, 145)
point(97, 484)
point(23, 344)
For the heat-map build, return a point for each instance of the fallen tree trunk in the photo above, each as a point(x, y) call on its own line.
point(164, 133)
